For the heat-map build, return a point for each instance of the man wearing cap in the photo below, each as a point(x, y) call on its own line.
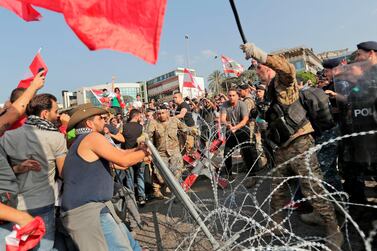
point(289, 128)
point(87, 212)
point(357, 156)
point(248, 99)
point(328, 154)
point(164, 132)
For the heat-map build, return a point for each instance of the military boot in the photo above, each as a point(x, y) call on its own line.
point(312, 218)
point(334, 237)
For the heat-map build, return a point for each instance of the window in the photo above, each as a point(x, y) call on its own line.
point(299, 65)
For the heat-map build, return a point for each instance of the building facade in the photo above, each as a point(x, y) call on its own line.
point(334, 54)
point(304, 59)
point(69, 99)
point(163, 87)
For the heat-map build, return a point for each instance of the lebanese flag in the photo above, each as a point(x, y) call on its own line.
point(23, 10)
point(34, 67)
point(103, 97)
point(188, 80)
point(231, 66)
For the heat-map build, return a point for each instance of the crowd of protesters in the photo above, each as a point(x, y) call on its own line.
point(63, 170)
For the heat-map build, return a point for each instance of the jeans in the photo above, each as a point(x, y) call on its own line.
point(137, 171)
point(242, 135)
point(114, 234)
point(47, 242)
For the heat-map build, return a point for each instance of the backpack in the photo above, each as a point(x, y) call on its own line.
point(316, 103)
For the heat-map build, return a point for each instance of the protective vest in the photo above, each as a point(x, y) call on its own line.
point(283, 120)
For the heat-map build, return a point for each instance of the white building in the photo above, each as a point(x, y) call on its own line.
point(69, 99)
point(163, 87)
point(304, 59)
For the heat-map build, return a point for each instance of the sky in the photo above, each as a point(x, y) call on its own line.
point(270, 24)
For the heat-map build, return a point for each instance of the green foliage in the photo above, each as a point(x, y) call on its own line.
point(215, 80)
point(305, 76)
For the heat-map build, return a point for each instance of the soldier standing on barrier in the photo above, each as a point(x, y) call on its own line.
point(289, 128)
point(164, 133)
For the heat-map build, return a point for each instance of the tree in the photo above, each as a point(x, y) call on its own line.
point(214, 81)
point(248, 76)
point(305, 76)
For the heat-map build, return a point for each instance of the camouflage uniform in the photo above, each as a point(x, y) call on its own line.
point(298, 167)
point(165, 138)
point(287, 93)
point(248, 100)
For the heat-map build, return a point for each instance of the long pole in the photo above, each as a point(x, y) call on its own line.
point(232, 4)
point(180, 193)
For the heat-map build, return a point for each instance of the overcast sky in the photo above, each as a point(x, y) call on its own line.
point(271, 24)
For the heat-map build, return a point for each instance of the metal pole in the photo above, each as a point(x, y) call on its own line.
point(238, 21)
point(180, 193)
point(187, 51)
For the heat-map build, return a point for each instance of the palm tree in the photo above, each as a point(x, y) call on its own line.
point(248, 76)
point(214, 81)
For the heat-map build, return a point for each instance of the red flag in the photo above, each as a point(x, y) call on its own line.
point(36, 65)
point(23, 10)
point(132, 26)
point(54, 5)
point(231, 66)
point(125, 25)
point(25, 83)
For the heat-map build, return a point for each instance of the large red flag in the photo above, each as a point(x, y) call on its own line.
point(36, 65)
point(124, 25)
point(23, 10)
point(132, 26)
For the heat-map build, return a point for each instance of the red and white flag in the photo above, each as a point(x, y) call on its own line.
point(35, 67)
point(231, 67)
point(23, 10)
point(27, 237)
point(188, 80)
point(103, 97)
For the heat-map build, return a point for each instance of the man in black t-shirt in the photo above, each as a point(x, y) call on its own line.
point(206, 121)
point(132, 130)
point(183, 112)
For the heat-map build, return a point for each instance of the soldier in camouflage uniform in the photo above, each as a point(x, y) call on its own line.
point(164, 132)
point(290, 130)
